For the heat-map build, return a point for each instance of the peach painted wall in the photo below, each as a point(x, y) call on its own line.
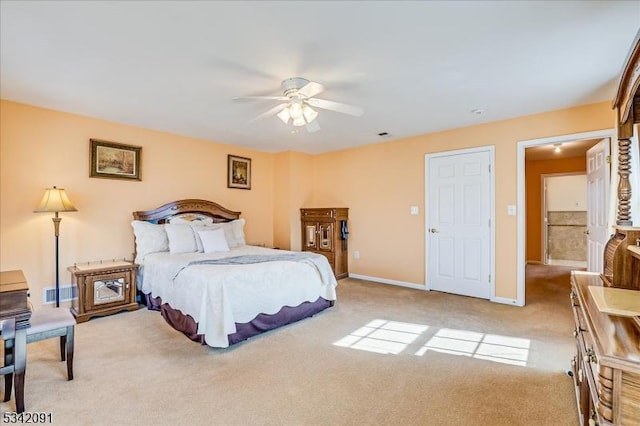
point(40, 148)
point(293, 188)
point(380, 182)
point(534, 172)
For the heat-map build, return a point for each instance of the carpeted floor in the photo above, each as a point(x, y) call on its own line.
point(384, 355)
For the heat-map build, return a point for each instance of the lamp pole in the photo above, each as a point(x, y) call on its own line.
point(56, 225)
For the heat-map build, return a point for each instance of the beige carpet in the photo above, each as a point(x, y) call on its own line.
point(132, 368)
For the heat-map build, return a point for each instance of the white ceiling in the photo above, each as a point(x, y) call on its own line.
point(414, 67)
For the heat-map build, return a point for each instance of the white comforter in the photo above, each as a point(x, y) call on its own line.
point(218, 296)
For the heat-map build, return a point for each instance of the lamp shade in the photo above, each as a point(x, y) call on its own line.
point(55, 200)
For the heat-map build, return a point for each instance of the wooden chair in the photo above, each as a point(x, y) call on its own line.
point(45, 324)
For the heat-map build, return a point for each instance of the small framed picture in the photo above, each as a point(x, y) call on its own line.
point(114, 160)
point(238, 172)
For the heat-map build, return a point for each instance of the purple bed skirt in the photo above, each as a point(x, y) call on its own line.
point(263, 322)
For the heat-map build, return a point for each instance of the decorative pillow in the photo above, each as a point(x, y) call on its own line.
point(191, 219)
point(234, 231)
point(150, 238)
point(181, 239)
point(213, 240)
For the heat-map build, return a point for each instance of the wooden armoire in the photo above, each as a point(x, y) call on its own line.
point(606, 307)
point(325, 231)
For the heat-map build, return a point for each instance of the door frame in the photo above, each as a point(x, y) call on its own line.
point(521, 192)
point(492, 211)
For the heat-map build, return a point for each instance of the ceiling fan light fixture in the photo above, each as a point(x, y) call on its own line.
point(295, 110)
point(284, 115)
point(309, 113)
point(299, 121)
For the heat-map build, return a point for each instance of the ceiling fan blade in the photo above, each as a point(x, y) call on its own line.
point(313, 127)
point(335, 106)
point(273, 111)
point(311, 89)
point(253, 98)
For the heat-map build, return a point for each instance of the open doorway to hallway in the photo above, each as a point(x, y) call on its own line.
point(556, 202)
point(529, 216)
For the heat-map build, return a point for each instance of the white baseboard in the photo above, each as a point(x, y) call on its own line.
point(388, 281)
point(505, 301)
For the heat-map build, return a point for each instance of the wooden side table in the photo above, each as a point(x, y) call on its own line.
point(104, 288)
point(14, 305)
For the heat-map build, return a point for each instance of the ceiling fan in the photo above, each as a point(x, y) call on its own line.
point(298, 100)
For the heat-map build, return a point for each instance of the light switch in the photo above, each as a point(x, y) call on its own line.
point(415, 210)
point(511, 210)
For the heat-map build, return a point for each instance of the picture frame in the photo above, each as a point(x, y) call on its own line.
point(238, 172)
point(114, 160)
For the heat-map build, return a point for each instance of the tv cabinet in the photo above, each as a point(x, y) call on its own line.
point(322, 232)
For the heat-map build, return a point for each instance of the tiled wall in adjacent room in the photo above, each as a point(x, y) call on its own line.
point(567, 235)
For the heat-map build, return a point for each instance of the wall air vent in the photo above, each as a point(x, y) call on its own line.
point(67, 293)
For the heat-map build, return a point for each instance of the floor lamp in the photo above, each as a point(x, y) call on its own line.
point(56, 200)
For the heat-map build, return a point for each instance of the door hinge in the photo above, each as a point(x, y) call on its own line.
point(489, 277)
point(489, 168)
point(489, 223)
point(608, 159)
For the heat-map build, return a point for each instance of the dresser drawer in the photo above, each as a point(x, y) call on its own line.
point(319, 213)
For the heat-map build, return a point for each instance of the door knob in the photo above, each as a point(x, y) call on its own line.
point(433, 230)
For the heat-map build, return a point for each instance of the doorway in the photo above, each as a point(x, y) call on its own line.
point(521, 214)
point(460, 199)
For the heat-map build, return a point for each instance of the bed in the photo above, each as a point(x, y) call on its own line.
point(198, 271)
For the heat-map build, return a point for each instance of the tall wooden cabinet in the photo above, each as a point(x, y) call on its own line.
point(606, 367)
point(324, 231)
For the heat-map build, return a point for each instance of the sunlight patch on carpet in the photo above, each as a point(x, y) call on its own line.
point(393, 337)
point(384, 337)
point(490, 347)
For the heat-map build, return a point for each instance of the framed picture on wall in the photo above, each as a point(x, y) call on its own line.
point(238, 172)
point(114, 160)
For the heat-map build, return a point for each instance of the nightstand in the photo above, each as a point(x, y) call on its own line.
point(104, 288)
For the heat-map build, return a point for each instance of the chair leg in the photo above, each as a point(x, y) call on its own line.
point(69, 351)
point(8, 378)
point(63, 348)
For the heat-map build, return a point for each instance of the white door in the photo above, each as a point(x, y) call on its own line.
point(459, 202)
point(597, 198)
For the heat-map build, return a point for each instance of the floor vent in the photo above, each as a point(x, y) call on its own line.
point(67, 293)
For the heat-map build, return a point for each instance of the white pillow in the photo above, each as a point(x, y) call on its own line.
point(234, 231)
point(181, 239)
point(150, 238)
point(197, 226)
point(213, 240)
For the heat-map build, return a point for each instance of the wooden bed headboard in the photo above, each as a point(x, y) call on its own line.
point(165, 212)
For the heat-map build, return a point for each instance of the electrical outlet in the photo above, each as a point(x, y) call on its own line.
point(356, 254)
point(414, 210)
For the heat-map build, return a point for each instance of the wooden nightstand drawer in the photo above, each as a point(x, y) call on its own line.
point(104, 288)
